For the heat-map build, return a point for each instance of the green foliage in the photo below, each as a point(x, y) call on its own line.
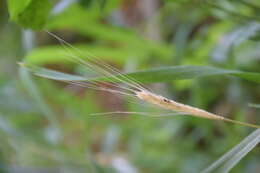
point(165, 74)
point(127, 40)
point(88, 3)
point(231, 158)
point(46, 124)
point(17, 7)
point(29, 13)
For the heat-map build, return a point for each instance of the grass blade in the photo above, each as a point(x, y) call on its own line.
point(164, 74)
point(236, 158)
point(233, 156)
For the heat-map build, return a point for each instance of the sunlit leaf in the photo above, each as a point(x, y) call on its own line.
point(29, 13)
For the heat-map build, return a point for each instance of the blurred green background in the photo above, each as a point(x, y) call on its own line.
point(46, 126)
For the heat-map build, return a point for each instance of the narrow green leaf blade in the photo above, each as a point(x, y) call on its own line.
point(55, 75)
point(241, 154)
point(164, 74)
point(232, 157)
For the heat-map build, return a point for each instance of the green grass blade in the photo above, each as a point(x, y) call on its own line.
point(51, 74)
point(242, 153)
point(232, 157)
point(164, 74)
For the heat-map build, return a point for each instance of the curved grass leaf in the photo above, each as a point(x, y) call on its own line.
point(163, 74)
point(232, 157)
point(240, 155)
